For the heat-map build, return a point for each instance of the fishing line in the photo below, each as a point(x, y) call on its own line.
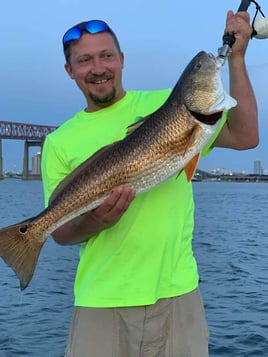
point(258, 10)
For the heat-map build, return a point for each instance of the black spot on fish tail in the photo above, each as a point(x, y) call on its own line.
point(210, 119)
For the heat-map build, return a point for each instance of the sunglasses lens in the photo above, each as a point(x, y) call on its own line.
point(96, 26)
point(72, 35)
point(92, 27)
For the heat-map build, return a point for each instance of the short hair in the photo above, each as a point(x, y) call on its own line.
point(81, 25)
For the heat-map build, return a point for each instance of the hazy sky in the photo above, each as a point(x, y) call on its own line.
point(157, 38)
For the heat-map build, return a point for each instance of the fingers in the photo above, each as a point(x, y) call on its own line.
point(119, 200)
point(238, 23)
point(111, 210)
point(230, 14)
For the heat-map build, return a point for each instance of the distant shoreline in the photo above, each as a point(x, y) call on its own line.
point(197, 178)
point(20, 177)
point(231, 177)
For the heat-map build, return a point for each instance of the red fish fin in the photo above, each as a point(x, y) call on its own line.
point(191, 167)
point(20, 249)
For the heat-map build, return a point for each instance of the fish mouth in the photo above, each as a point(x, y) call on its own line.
point(210, 119)
point(216, 60)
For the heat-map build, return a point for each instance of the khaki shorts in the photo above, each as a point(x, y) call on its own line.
point(173, 327)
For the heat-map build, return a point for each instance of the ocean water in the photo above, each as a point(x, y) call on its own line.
point(35, 322)
point(231, 247)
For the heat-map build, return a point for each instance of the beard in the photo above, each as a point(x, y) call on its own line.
point(103, 100)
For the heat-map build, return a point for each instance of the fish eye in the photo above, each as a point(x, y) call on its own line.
point(23, 229)
point(198, 65)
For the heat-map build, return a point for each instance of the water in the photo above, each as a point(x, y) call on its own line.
point(231, 246)
point(35, 322)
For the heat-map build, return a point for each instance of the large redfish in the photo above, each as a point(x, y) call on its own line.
point(161, 145)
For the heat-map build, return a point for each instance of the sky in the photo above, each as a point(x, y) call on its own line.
point(158, 40)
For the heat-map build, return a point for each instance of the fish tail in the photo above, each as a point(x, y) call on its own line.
point(20, 247)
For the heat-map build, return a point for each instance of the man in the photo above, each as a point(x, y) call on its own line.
point(136, 288)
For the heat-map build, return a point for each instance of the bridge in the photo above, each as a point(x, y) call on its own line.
point(32, 134)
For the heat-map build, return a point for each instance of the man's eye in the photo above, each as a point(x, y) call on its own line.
point(108, 55)
point(83, 60)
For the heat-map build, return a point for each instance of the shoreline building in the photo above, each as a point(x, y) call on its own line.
point(257, 167)
point(36, 164)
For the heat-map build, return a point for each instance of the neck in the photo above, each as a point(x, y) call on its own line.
point(94, 106)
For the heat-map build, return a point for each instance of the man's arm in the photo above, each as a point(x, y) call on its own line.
point(241, 128)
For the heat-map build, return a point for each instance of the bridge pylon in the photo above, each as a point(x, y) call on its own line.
point(1, 161)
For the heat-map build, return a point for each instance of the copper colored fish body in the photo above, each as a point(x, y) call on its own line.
point(159, 146)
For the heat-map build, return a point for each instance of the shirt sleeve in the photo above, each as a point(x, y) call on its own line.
point(207, 149)
point(53, 168)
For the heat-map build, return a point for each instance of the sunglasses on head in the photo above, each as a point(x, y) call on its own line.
point(92, 27)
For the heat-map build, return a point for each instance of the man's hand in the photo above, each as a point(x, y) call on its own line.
point(111, 210)
point(239, 25)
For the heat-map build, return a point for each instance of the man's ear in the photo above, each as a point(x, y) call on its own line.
point(68, 69)
point(122, 59)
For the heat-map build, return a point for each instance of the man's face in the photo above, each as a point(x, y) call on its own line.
point(96, 65)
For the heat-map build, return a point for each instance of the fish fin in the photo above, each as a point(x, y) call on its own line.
point(190, 168)
point(132, 127)
point(20, 249)
point(224, 102)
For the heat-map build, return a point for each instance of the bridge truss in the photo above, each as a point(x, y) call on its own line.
point(32, 134)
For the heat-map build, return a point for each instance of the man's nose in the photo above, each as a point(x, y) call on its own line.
point(97, 66)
